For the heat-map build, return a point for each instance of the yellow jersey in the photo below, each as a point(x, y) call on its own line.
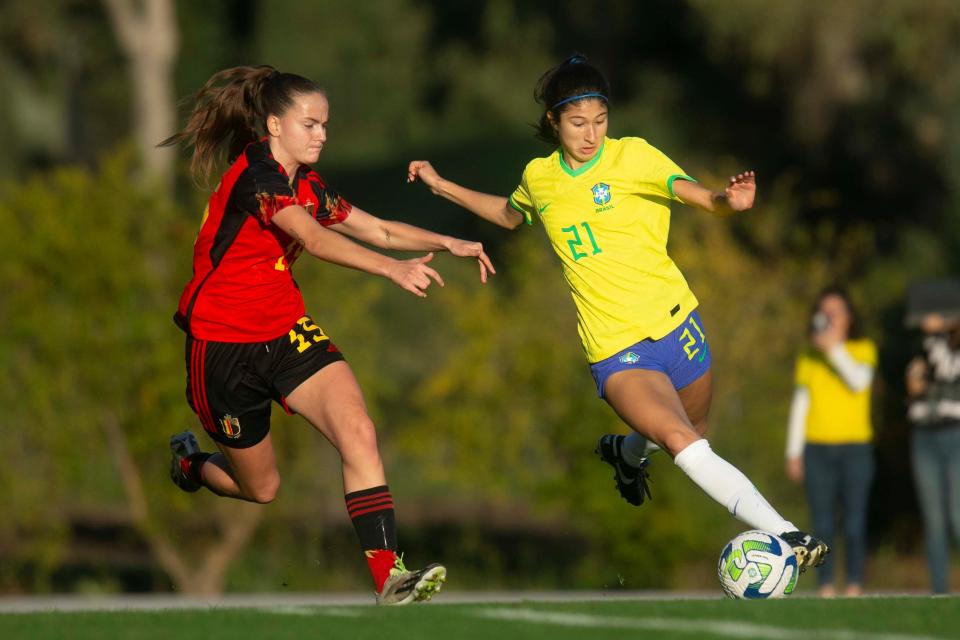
point(608, 223)
point(837, 414)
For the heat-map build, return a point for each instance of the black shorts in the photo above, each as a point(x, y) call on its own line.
point(230, 384)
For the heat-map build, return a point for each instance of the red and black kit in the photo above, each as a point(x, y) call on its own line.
point(242, 289)
point(249, 340)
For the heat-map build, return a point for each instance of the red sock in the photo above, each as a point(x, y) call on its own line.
point(380, 562)
point(372, 513)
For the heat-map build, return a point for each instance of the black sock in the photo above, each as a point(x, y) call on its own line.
point(194, 462)
point(372, 513)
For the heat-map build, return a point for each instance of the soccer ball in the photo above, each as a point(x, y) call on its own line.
point(757, 565)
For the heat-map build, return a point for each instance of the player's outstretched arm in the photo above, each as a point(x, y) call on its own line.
point(413, 275)
point(390, 234)
point(491, 208)
point(738, 196)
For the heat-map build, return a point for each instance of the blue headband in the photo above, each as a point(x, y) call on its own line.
point(580, 97)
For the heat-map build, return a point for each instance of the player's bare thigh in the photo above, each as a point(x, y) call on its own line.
point(331, 401)
point(253, 469)
point(648, 403)
point(696, 398)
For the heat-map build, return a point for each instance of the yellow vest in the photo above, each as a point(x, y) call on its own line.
point(837, 415)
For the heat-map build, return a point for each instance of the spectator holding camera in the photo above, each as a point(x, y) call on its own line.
point(933, 387)
point(829, 435)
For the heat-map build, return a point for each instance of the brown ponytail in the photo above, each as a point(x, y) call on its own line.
point(231, 110)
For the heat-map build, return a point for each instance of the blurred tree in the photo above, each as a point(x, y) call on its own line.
point(148, 32)
point(34, 119)
point(95, 374)
point(866, 92)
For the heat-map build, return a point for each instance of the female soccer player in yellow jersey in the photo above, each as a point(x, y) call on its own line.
point(605, 205)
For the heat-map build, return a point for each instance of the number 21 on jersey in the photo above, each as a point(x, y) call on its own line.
point(576, 242)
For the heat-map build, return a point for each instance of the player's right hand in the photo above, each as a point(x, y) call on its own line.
point(422, 170)
point(414, 275)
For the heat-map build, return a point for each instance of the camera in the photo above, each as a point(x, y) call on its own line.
point(940, 296)
point(819, 322)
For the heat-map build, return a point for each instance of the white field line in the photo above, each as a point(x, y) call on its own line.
point(153, 602)
point(702, 626)
point(337, 612)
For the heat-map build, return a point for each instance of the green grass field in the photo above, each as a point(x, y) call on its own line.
point(875, 618)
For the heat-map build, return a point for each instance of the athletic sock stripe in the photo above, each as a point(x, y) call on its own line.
point(362, 502)
point(352, 502)
point(356, 514)
point(367, 505)
point(364, 493)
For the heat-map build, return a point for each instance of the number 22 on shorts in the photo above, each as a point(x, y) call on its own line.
point(691, 341)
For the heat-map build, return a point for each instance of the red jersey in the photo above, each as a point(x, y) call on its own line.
point(242, 288)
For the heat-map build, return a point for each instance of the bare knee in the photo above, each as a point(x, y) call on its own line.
point(357, 437)
point(676, 440)
point(700, 427)
point(263, 491)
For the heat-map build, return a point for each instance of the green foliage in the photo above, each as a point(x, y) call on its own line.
point(611, 618)
point(87, 338)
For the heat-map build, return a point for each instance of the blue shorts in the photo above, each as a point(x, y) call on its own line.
point(682, 354)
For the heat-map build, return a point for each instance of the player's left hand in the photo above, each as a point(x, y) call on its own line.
point(741, 191)
point(468, 249)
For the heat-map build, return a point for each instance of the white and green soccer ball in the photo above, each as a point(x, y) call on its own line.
point(757, 565)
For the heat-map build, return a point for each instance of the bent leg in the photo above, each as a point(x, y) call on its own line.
point(695, 399)
point(332, 402)
point(648, 403)
point(247, 474)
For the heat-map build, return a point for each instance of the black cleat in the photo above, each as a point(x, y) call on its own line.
point(631, 480)
point(182, 445)
point(810, 551)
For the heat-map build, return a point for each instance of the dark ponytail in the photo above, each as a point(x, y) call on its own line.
point(572, 80)
point(231, 110)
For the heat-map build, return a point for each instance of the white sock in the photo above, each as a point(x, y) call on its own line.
point(635, 448)
point(727, 485)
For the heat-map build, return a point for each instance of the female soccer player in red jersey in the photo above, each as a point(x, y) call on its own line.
point(604, 203)
point(249, 339)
